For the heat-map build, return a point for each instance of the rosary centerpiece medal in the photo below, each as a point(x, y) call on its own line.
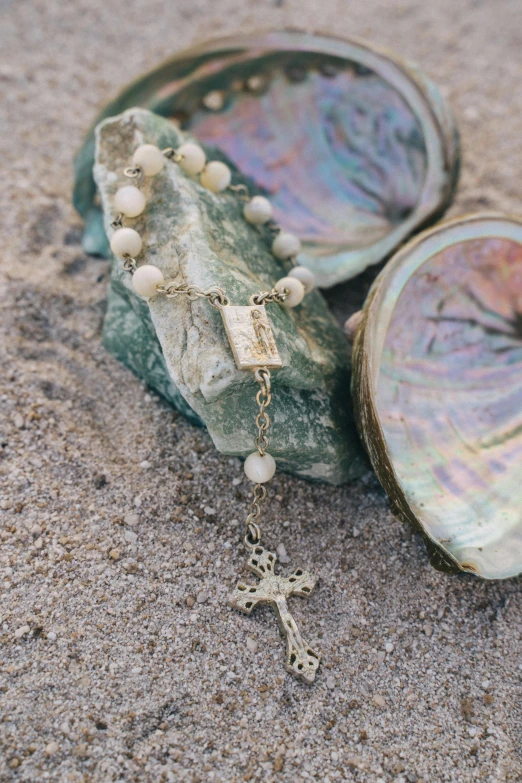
point(251, 337)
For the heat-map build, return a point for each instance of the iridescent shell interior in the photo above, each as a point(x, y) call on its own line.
point(338, 150)
point(445, 337)
point(354, 149)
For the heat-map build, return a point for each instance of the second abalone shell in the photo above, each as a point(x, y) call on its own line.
point(438, 390)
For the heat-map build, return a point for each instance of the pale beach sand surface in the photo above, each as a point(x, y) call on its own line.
point(150, 676)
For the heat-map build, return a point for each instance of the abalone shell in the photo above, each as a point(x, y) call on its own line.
point(437, 390)
point(354, 148)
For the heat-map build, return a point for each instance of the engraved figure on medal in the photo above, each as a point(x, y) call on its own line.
point(265, 338)
point(251, 337)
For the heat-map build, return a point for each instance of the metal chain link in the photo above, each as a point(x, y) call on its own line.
point(241, 192)
point(263, 399)
point(129, 264)
point(171, 154)
point(118, 221)
point(135, 172)
point(267, 297)
point(215, 295)
point(252, 530)
point(273, 227)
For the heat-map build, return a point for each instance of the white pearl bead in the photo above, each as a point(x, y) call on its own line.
point(295, 288)
point(305, 276)
point(259, 469)
point(149, 158)
point(258, 210)
point(216, 176)
point(146, 278)
point(286, 245)
point(130, 201)
point(126, 242)
point(194, 158)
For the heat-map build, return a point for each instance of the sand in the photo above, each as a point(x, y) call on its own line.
point(119, 658)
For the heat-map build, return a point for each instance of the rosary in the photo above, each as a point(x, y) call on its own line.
point(253, 345)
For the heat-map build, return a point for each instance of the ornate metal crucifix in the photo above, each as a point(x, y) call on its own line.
point(301, 660)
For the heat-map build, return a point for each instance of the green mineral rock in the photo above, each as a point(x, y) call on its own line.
point(180, 348)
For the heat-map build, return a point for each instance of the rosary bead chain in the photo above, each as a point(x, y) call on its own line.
point(148, 160)
point(259, 466)
point(215, 295)
point(254, 348)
